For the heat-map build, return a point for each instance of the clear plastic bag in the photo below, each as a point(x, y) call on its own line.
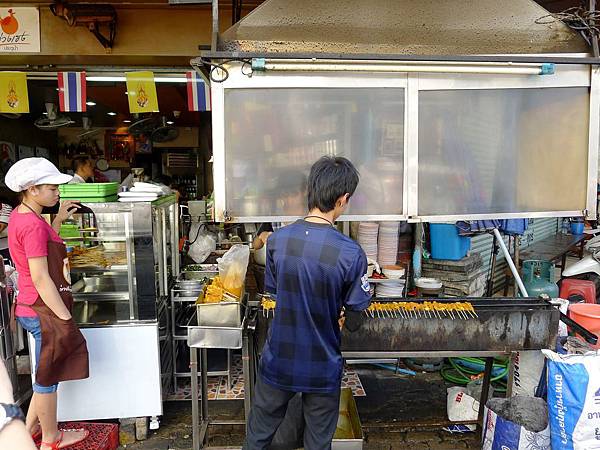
point(203, 245)
point(232, 269)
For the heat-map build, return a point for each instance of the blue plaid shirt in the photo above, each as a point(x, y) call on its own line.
point(313, 270)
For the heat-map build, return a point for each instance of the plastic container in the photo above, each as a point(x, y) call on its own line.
point(90, 192)
point(89, 189)
point(446, 243)
point(577, 228)
point(68, 230)
point(428, 287)
point(588, 316)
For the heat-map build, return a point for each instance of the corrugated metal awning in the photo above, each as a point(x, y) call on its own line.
point(418, 27)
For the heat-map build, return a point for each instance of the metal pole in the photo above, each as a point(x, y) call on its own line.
point(246, 371)
point(195, 412)
point(215, 25)
point(485, 390)
point(204, 377)
point(490, 286)
point(510, 263)
point(516, 252)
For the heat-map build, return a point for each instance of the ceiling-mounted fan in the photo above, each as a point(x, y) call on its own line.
point(165, 132)
point(88, 131)
point(52, 120)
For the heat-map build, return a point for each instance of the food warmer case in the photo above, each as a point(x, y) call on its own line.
point(122, 264)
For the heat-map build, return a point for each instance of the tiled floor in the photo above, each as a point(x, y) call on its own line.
point(218, 389)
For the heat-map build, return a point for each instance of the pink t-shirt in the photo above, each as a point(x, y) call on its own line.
point(28, 237)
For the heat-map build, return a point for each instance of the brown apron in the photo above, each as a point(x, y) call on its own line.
point(64, 354)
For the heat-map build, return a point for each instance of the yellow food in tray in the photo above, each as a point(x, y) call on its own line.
point(215, 292)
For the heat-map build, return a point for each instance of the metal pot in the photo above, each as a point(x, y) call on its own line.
point(189, 288)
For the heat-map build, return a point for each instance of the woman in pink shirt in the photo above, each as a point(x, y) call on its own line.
point(44, 300)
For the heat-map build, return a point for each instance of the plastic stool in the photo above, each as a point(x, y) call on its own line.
point(572, 287)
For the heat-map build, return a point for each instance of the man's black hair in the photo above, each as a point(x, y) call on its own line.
point(80, 161)
point(330, 178)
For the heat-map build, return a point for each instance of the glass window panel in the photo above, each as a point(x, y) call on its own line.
point(502, 151)
point(273, 136)
point(99, 274)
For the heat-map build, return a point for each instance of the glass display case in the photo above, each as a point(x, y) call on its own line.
point(123, 257)
point(122, 261)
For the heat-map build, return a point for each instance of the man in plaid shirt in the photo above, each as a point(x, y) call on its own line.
point(313, 271)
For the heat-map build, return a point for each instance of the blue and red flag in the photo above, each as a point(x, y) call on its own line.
point(71, 91)
point(198, 92)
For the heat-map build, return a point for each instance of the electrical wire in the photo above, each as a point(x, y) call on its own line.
point(223, 73)
point(577, 18)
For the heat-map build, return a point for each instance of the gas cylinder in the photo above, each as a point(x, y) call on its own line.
point(538, 278)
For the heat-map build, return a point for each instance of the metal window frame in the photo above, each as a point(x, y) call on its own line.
point(237, 80)
point(566, 75)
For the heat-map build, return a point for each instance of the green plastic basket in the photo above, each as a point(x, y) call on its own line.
point(87, 190)
point(68, 230)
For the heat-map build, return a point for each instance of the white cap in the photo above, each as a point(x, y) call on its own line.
point(32, 172)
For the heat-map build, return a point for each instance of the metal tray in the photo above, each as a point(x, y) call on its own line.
point(348, 434)
point(222, 314)
point(215, 337)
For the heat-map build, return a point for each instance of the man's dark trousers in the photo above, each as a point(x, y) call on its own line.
point(320, 416)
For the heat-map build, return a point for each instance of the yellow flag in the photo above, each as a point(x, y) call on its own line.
point(141, 92)
point(13, 92)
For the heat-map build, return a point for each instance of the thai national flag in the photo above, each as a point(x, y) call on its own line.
point(198, 92)
point(71, 91)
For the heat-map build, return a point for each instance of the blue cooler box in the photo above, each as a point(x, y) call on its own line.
point(446, 243)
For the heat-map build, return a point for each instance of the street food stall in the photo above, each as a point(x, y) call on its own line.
point(122, 263)
point(438, 132)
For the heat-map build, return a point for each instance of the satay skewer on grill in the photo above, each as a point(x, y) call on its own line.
point(418, 310)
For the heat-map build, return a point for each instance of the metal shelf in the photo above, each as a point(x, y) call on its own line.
point(95, 239)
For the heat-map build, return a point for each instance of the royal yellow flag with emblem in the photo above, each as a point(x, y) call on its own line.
point(13, 92)
point(141, 92)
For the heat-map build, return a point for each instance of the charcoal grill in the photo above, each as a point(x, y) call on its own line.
point(488, 327)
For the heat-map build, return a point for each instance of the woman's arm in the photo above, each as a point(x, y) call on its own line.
point(38, 267)
point(66, 210)
point(14, 435)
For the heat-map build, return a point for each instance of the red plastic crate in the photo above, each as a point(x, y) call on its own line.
point(103, 436)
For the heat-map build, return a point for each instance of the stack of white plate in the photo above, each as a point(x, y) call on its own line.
point(367, 238)
point(390, 289)
point(388, 243)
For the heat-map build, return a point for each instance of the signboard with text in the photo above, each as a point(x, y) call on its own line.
point(19, 30)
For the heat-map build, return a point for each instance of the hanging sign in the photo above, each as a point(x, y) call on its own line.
point(13, 92)
point(198, 92)
point(19, 30)
point(141, 92)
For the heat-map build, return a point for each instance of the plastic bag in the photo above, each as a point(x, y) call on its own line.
point(574, 400)
point(232, 269)
point(527, 370)
point(461, 406)
point(500, 432)
point(204, 244)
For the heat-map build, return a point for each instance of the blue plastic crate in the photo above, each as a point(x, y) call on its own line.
point(446, 243)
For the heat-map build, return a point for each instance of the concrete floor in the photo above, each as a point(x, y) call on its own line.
point(399, 412)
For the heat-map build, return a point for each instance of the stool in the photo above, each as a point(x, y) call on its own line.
point(571, 287)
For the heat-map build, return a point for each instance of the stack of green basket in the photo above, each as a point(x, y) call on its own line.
point(90, 192)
